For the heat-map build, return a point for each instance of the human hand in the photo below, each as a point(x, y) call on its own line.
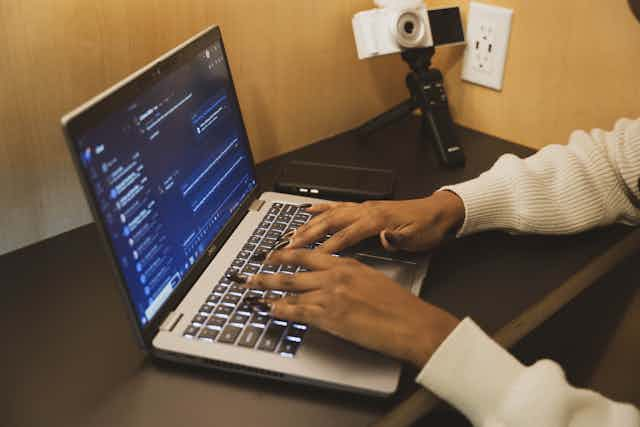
point(412, 225)
point(355, 302)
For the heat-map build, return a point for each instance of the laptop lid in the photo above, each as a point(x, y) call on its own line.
point(166, 165)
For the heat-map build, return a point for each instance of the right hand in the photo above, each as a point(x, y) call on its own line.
point(411, 225)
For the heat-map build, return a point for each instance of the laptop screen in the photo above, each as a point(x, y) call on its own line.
point(168, 170)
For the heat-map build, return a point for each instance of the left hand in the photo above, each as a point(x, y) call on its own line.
point(358, 303)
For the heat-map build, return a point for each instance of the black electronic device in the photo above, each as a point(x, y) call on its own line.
point(335, 182)
point(635, 8)
point(427, 92)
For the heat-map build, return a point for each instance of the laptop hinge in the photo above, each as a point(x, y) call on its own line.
point(256, 205)
point(171, 321)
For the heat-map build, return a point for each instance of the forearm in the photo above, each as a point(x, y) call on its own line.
point(492, 388)
point(592, 181)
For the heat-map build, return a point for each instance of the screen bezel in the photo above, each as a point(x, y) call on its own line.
point(91, 114)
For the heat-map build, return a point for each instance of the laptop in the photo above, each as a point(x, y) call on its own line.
point(166, 166)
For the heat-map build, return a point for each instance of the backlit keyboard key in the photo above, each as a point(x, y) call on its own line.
point(278, 226)
point(191, 331)
point(288, 348)
point(250, 336)
point(208, 334)
point(268, 242)
point(239, 319)
point(284, 218)
point(216, 322)
point(244, 255)
point(268, 268)
point(199, 319)
point(271, 337)
point(231, 300)
point(250, 269)
point(244, 308)
point(273, 234)
point(221, 289)
point(290, 269)
point(295, 334)
point(223, 310)
point(206, 309)
point(229, 334)
point(237, 290)
point(259, 320)
point(290, 209)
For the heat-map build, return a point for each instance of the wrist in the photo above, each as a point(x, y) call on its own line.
point(451, 210)
point(435, 326)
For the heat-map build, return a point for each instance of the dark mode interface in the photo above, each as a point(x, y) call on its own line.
point(168, 171)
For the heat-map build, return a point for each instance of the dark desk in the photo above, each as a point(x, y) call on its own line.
point(72, 357)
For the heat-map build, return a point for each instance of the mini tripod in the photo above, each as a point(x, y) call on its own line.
point(426, 88)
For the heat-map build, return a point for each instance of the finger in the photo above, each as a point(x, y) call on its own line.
point(312, 260)
point(325, 223)
point(319, 208)
point(299, 282)
point(304, 313)
point(393, 240)
point(386, 240)
point(346, 237)
point(312, 231)
point(319, 298)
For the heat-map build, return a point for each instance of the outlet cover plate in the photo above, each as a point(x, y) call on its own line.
point(488, 30)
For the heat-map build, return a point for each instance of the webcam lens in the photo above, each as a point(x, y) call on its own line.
point(408, 27)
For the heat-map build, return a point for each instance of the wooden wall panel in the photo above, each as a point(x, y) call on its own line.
point(572, 64)
point(294, 65)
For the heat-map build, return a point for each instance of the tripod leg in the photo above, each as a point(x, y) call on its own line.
point(428, 89)
point(386, 118)
point(440, 126)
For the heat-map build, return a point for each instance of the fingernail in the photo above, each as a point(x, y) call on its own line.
point(281, 245)
point(304, 206)
point(288, 235)
point(236, 278)
point(393, 240)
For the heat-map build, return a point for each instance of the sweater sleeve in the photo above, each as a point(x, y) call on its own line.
point(492, 389)
point(593, 181)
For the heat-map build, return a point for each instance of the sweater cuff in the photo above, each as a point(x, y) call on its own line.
point(488, 203)
point(470, 371)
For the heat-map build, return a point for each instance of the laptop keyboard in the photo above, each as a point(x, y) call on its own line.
point(226, 317)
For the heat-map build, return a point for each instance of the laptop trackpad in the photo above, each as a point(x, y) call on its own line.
point(408, 273)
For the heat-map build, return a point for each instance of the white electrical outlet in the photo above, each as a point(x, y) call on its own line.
point(488, 30)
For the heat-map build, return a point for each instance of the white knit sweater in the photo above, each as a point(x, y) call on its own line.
point(592, 181)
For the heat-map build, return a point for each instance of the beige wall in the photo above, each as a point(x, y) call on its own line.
point(293, 61)
point(571, 64)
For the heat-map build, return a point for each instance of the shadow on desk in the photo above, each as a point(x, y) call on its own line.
point(218, 398)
